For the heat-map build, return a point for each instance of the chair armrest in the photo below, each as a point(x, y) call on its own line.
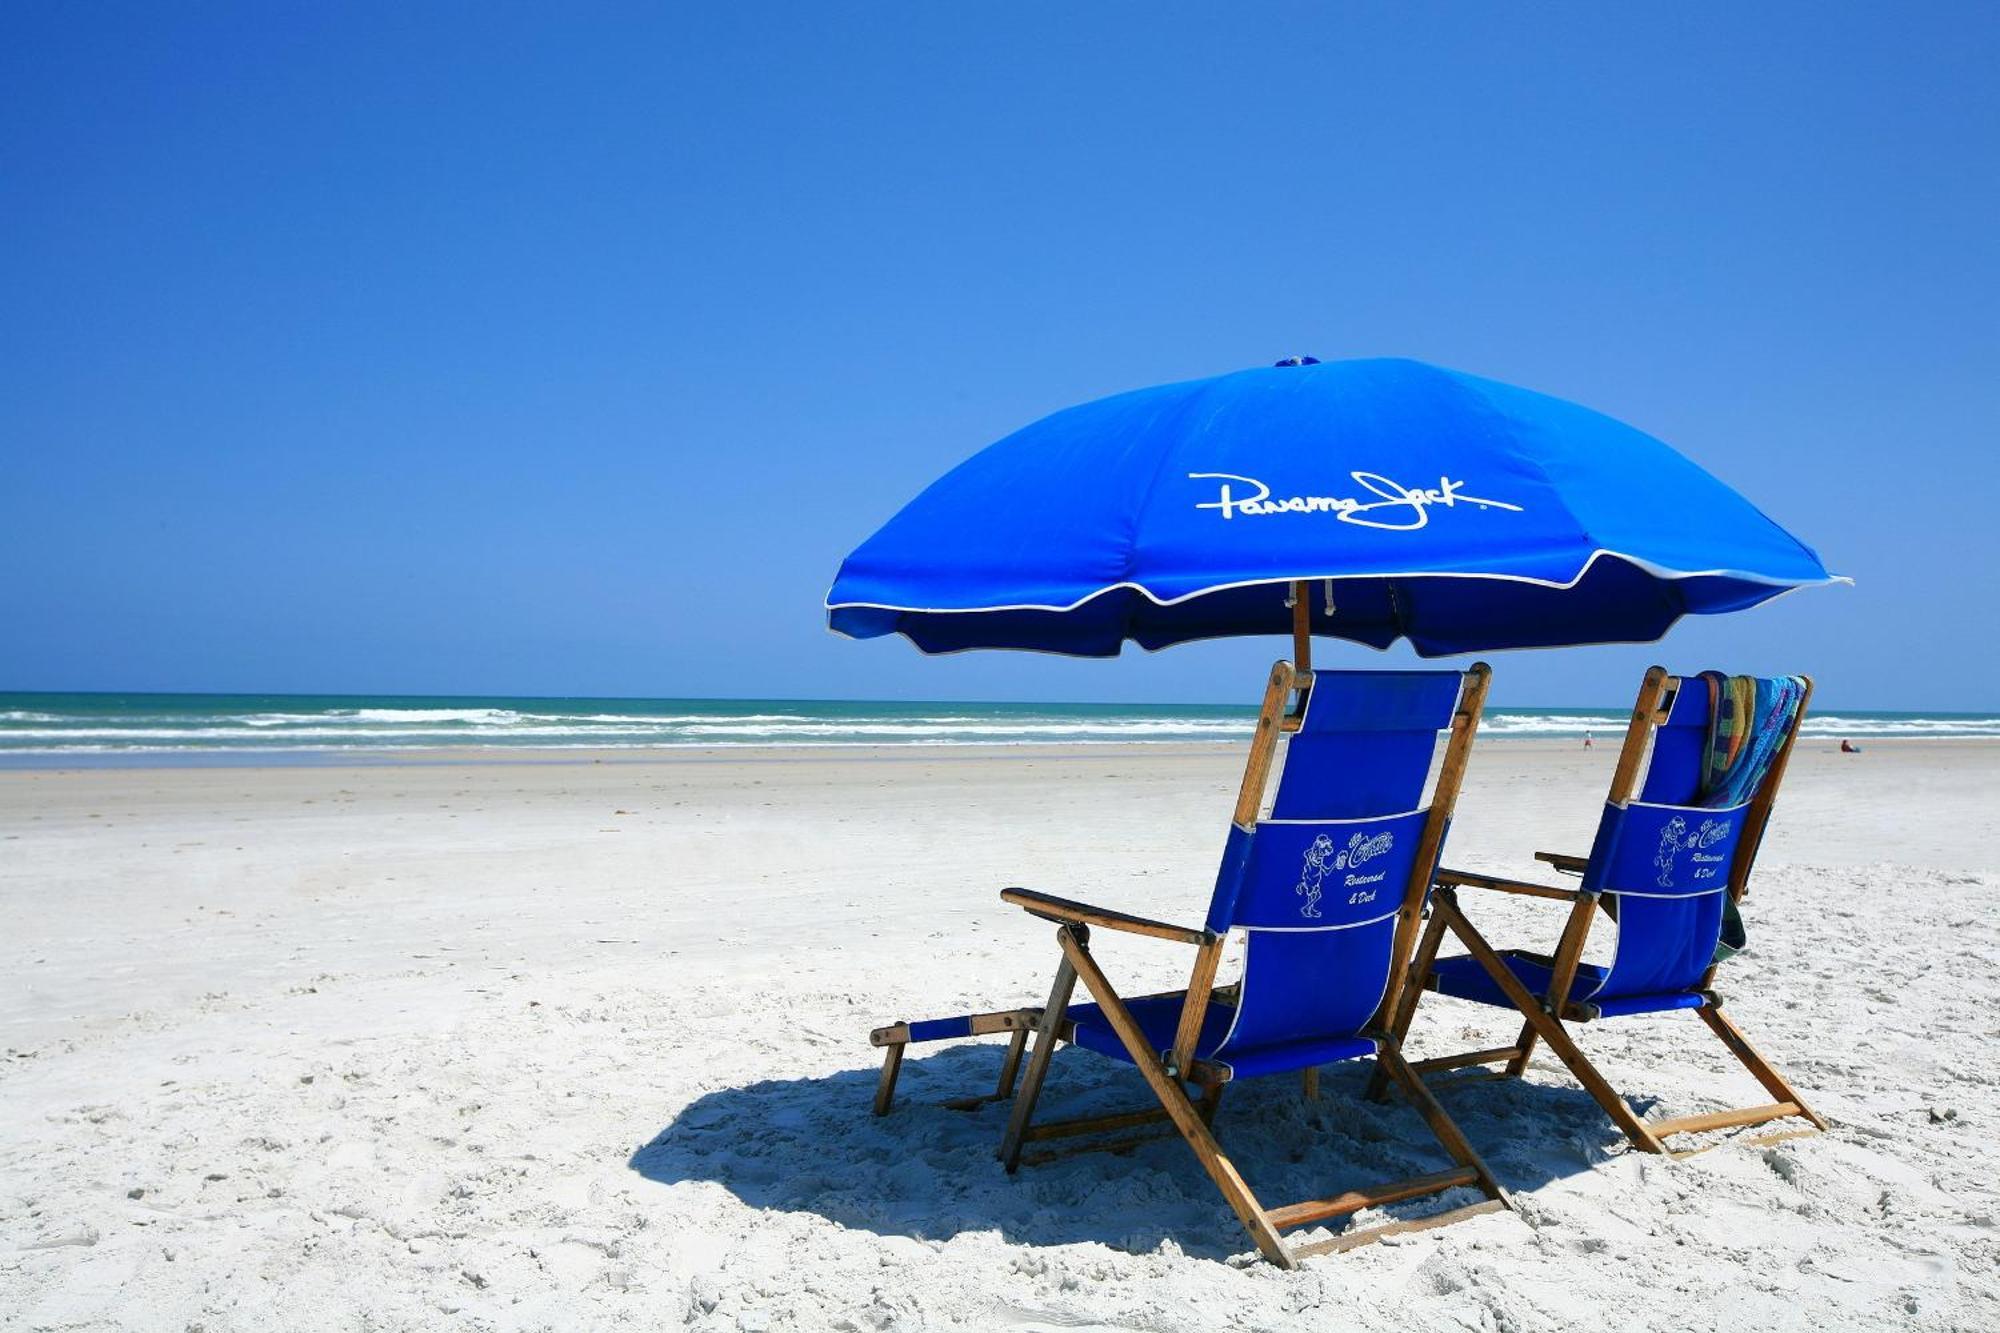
point(1052, 908)
point(1563, 862)
point(1465, 879)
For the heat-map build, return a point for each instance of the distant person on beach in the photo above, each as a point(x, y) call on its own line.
point(1586, 740)
point(1848, 747)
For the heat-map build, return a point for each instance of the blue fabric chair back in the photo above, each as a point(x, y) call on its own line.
point(1668, 862)
point(1317, 886)
point(1674, 775)
point(1366, 743)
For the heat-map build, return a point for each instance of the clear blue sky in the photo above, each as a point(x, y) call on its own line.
point(566, 350)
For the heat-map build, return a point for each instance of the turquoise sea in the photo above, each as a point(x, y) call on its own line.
point(47, 729)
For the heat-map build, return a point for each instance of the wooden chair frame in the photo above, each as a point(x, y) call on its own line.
point(1169, 1074)
point(1545, 1018)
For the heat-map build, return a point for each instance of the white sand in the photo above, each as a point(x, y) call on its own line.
point(376, 1048)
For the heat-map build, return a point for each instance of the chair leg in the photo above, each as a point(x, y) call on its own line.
point(1550, 1029)
point(1406, 1003)
point(1525, 1043)
point(1004, 1088)
point(1264, 1225)
point(1760, 1068)
point(1442, 1126)
point(1789, 1102)
point(1010, 1065)
point(1038, 1062)
point(1173, 1097)
point(885, 1088)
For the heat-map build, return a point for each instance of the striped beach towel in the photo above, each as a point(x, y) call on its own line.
point(1749, 718)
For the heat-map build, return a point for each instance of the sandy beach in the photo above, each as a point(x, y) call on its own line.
point(581, 1041)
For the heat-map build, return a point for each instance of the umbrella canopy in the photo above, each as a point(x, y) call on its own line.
point(1457, 512)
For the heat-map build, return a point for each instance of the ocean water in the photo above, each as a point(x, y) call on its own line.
point(38, 729)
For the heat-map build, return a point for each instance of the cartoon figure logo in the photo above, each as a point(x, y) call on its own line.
point(1675, 839)
point(1670, 843)
point(1322, 860)
point(1319, 860)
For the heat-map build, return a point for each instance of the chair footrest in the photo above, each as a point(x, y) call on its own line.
point(1750, 1115)
point(967, 1025)
point(1353, 1201)
point(1350, 1240)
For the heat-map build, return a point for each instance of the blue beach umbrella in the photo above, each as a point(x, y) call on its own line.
point(1462, 514)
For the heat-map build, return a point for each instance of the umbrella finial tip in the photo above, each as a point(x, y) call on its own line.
point(1299, 361)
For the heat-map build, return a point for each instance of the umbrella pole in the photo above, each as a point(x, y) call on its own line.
point(1302, 647)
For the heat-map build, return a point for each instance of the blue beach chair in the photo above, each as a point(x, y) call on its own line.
point(1328, 889)
point(1667, 869)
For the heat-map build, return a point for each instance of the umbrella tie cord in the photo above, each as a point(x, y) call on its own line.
point(1329, 599)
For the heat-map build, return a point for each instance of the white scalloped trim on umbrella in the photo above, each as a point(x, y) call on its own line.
point(1650, 567)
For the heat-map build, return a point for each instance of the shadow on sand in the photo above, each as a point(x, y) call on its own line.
point(928, 1172)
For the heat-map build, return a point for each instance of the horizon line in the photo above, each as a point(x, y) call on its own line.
point(808, 699)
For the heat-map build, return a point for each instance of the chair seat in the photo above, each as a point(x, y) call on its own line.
point(1464, 978)
point(1159, 1016)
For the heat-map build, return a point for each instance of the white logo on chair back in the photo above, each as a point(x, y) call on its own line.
point(1675, 838)
point(1391, 506)
point(1321, 859)
point(1361, 849)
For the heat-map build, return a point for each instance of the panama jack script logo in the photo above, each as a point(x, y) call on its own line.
point(1390, 506)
